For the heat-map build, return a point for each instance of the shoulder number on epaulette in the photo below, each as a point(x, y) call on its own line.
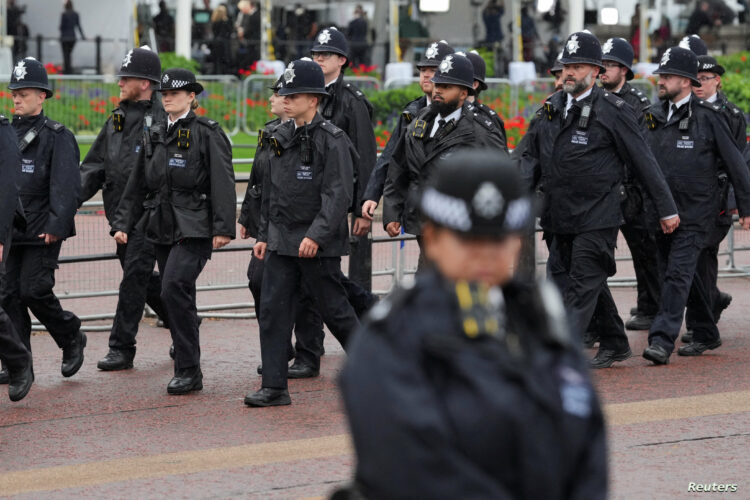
point(484, 121)
point(354, 90)
point(614, 99)
point(207, 121)
point(56, 126)
point(709, 105)
point(331, 128)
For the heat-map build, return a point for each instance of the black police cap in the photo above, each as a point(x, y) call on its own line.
point(620, 51)
point(331, 40)
point(480, 68)
point(180, 79)
point(709, 65)
point(142, 63)
point(478, 193)
point(455, 69)
point(695, 44)
point(303, 76)
point(30, 74)
point(434, 53)
point(582, 48)
point(557, 66)
point(277, 84)
point(680, 62)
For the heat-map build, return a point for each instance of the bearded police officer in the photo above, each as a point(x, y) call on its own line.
point(480, 70)
point(427, 66)
point(583, 138)
point(49, 184)
point(306, 194)
point(480, 389)
point(709, 74)
point(691, 140)
point(13, 353)
point(107, 166)
point(444, 126)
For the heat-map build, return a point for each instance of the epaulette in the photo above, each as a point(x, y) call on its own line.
point(56, 126)
point(486, 122)
point(487, 109)
point(709, 105)
point(732, 107)
point(354, 90)
point(613, 99)
point(393, 302)
point(4, 120)
point(640, 95)
point(331, 128)
point(208, 122)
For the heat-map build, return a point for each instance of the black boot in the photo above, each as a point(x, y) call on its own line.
point(4, 377)
point(116, 359)
point(73, 355)
point(267, 396)
point(185, 381)
point(20, 382)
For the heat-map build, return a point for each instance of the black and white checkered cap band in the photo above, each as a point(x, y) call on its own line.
point(446, 210)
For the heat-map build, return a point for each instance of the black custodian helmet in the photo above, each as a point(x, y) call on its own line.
point(180, 79)
point(30, 74)
point(435, 53)
point(620, 51)
point(695, 44)
point(455, 69)
point(680, 62)
point(480, 68)
point(582, 48)
point(141, 63)
point(303, 76)
point(331, 40)
point(478, 193)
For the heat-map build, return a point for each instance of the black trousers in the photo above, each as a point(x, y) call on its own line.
point(708, 268)
point(180, 265)
point(308, 324)
point(27, 285)
point(140, 285)
point(580, 264)
point(678, 260)
point(13, 352)
point(360, 260)
point(67, 50)
point(283, 278)
point(642, 244)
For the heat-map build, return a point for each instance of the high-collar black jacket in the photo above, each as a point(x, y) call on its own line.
point(438, 413)
point(49, 181)
point(580, 167)
point(186, 185)
point(115, 152)
point(308, 199)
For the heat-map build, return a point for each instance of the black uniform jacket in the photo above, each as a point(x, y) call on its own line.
point(9, 174)
point(49, 181)
point(691, 160)
point(417, 155)
point(435, 413)
point(308, 200)
point(251, 204)
point(638, 101)
point(738, 128)
point(113, 155)
point(580, 167)
point(186, 186)
point(376, 184)
point(488, 113)
point(348, 109)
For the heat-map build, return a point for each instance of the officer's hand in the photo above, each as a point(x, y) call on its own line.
point(308, 248)
point(259, 249)
point(393, 229)
point(669, 225)
point(221, 241)
point(121, 238)
point(48, 238)
point(1, 252)
point(368, 209)
point(734, 212)
point(745, 222)
point(361, 226)
point(243, 232)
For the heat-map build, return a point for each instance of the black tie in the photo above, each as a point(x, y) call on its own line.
point(674, 109)
point(441, 126)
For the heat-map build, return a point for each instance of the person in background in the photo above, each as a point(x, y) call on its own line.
point(164, 28)
point(358, 35)
point(221, 30)
point(491, 15)
point(69, 21)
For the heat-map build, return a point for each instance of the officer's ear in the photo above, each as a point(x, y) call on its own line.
point(342, 62)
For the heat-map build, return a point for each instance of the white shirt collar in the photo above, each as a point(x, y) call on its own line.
point(169, 118)
point(581, 97)
point(678, 104)
point(456, 115)
point(713, 98)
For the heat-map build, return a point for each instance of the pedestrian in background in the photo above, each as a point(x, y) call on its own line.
point(69, 21)
point(222, 31)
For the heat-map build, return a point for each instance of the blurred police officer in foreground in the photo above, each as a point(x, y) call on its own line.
point(49, 184)
point(480, 70)
point(444, 126)
point(617, 59)
point(19, 373)
point(709, 74)
point(427, 66)
point(107, 166)
point(181, 192)
point(691, 140)
point(468, 384)
point(346, 107)
point(583, 138)
point(306, 194)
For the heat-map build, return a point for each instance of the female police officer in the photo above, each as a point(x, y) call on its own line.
point(479, 390)
point(183, 186)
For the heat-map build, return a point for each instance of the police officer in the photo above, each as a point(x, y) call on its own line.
point(480, 70)
point(709, 74)
point(13, 352)
point(556, 72)
point(49, 184)
point(695, 44)
point(617, 58)
point(583, 138)
point(433, 54)
point(444, 126)
point(478, 376)
point(182, 192)
point(107, 166)
point(347, 107)
point(691, 140)
point(307, 192)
